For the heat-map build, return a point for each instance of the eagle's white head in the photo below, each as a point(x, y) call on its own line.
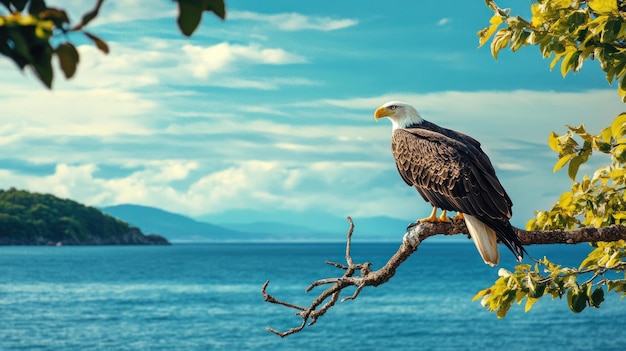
point(400, 113)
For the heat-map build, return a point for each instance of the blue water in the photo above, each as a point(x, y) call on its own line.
point(207, 297)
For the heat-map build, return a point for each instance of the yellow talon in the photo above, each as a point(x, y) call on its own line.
point(458, 217)
point(443, 217)
point(430, 219)
point(433, 217)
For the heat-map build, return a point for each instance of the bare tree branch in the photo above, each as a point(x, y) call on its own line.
point(411, 241)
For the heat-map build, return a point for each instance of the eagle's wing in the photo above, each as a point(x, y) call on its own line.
point(449, 173)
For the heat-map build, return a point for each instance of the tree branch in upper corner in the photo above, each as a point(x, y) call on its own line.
point(360, 275)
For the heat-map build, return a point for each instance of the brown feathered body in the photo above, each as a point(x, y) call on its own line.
point(450, 170)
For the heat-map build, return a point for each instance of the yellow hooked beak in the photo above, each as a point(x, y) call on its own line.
point(382, 112)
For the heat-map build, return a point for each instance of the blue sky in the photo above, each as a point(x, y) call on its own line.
point(272, 109)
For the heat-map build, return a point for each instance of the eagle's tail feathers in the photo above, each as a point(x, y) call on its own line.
point(484, 238)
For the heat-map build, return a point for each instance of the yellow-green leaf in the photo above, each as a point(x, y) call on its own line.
point(574, 164)
point(481, 294)
point(565, 200)
point(621, 88)
point(603, 6)
point(529, 303)
point(568, 61)
point(618, 127)
point(562, 161)
point(500, 41)
point(486, 33)
point(606, 134)
point(537, 19)
point(560, 4)
point(553, 142)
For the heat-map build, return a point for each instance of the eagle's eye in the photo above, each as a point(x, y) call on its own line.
point(393, 107)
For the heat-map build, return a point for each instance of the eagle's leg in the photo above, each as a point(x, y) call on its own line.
point(443, 217)
point(433, 217)
point(458, 217)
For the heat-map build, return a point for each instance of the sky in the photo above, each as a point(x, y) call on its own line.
point(272, 109)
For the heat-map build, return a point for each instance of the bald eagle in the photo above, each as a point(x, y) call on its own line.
point(451, 172)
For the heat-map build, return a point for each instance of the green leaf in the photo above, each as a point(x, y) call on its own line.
point(539, 291)
point(68, 59)
point(611, 30)
point(597, 297)
point(574, 164)
point(576, 300)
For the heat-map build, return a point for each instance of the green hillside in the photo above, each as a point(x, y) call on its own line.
point(40, 219)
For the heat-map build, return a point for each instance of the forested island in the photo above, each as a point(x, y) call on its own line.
point(41, 219)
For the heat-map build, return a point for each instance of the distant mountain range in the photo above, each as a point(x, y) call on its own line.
point(246, 225)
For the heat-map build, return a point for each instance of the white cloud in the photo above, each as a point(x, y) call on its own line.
point(443, 21)
point(295, 21)
point(47, 114)
point(203, 61)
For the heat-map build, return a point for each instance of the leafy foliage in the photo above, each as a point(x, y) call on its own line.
point(568, 31)
point(29, 218)
point(599, 200)
point(31, 33)
point(545, 278)
point(573, 31)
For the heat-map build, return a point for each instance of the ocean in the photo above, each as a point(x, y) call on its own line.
point(207, 297)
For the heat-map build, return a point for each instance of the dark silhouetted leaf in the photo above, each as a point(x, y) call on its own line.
point(68, 59)
point(42, 65)
point(190, 13)
point(89, 16)
point(101, 44)
point(19, 4)
point(36, 6)
point(217, 7)
point(597, 297)
point(189, 16)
